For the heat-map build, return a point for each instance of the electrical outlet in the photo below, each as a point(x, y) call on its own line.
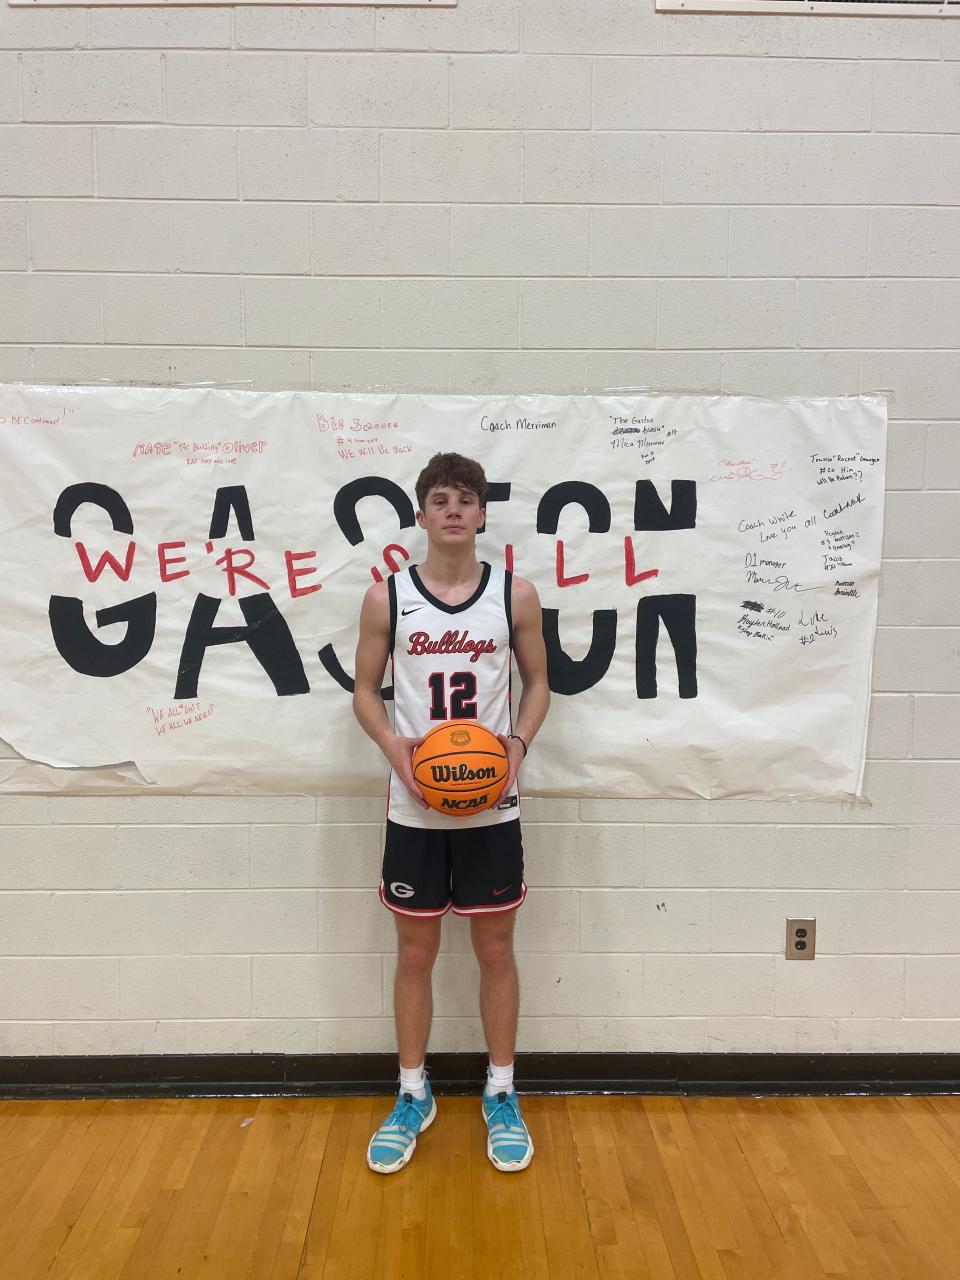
point(801, 939)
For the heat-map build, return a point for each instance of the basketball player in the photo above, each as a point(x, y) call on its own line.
point(433, 862)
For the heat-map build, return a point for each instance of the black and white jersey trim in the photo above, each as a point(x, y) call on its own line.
point(392, 597)
point(451, 608)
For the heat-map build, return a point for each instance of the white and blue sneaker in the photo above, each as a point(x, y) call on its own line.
point(509, 1144)
point(395, 1141)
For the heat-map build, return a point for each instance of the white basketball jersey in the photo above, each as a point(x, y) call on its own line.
point(450, 662)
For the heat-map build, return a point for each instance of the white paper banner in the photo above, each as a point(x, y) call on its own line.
point(183, 573)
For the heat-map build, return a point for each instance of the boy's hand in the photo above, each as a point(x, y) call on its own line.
point(399, 751)
point(515, 754)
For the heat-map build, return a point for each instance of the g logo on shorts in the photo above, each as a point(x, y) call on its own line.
point(401, 890)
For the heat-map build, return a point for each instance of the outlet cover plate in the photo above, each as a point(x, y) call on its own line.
point(801, 939)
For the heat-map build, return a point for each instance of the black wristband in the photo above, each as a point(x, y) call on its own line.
point(522, 743)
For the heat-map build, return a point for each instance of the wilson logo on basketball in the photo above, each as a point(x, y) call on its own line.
point(460, 768)
point(466, 802)
point(460, 773)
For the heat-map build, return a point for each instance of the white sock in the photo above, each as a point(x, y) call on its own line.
point(499, 1079)
point(413, 1080)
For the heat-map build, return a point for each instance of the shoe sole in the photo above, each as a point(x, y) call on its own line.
point(405, 1158)
point(507, 1166)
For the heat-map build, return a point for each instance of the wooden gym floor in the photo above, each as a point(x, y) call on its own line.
point(667, 1187)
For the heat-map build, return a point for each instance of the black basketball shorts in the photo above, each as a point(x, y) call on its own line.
point(476, 871)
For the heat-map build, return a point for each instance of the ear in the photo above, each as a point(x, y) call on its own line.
point(420, 520)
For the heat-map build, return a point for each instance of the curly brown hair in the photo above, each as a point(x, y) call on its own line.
point(451, 469)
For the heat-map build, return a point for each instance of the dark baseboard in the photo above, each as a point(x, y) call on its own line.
point(329, 1074)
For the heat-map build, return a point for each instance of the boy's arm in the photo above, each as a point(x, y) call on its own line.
point(373, 650)
point(532, 663)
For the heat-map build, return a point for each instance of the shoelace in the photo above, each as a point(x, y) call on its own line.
point(507, 1114)
point(401, 1117)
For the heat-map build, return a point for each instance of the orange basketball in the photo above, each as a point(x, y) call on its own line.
point(460, 767)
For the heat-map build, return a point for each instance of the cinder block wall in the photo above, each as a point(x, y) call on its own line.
point(514, 195)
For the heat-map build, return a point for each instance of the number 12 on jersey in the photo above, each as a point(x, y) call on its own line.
point(463, 693)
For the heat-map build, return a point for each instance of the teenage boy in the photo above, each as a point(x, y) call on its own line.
point(423, 618)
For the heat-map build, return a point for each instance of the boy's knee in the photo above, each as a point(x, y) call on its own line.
point(495, 952)
point(417, 955)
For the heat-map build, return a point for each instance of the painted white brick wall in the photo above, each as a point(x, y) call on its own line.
point(512, 195)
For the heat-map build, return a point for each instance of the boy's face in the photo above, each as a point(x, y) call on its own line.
point(451, 516)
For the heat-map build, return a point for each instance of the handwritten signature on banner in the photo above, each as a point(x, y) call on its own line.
point(745, 469)
point(168, 719)
point(217, 452)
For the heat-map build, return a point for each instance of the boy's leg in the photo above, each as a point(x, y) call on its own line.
point(418, 942)
point(492, 937)
point(509, 1145)
point(488, 886)
point(394, 1142)
point(415, 885)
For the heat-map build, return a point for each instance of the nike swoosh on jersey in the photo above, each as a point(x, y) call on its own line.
point(404, 612)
